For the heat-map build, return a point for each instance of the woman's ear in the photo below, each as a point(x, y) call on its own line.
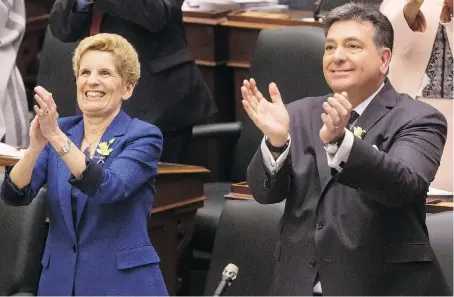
point(129, 88)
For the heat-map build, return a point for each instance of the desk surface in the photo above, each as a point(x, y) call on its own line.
point(240, 191)
point(172, 168)
point(164, 168)
point(251, 19)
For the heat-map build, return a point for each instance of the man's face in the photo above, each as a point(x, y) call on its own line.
point(351, 61)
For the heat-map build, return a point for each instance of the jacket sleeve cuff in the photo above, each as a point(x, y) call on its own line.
point(10, 191)
point(89, 181)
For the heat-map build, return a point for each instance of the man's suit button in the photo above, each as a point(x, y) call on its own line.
point(320, 225)
point(266, 183)
point(74, 248)
point(312, 263)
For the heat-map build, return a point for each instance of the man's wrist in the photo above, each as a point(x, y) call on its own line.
point(277, 147)
point(337, 140)
point(277, 142)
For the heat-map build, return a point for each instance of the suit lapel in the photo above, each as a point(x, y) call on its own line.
point(377, 108)
point(64, 187)
point(115, 130)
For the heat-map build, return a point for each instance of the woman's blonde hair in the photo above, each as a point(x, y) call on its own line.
point(126, 58)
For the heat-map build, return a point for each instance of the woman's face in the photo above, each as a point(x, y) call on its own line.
point(100, 87)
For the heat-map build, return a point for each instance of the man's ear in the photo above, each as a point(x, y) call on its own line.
point(385, 60)
point(129, 88)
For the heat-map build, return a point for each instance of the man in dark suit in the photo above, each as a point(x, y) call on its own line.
point(354, 221)
point(171, 92)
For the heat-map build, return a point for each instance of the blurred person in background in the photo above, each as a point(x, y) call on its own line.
point(422, 64)
point(14, 113)
point(171, 93)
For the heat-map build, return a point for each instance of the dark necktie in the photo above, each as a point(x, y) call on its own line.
point(96, 17)
point(353, 117)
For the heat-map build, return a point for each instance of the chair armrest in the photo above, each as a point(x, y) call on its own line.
point(217, 130)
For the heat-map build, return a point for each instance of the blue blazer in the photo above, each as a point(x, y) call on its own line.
point(108, 251)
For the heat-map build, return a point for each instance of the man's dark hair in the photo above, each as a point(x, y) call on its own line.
point(362, 12)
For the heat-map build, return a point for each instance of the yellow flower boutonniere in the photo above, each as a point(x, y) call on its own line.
point(104, 149)
point(359, 132)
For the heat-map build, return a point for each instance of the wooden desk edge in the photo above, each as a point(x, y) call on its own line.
point(248, 25)
point(238, 196)
point(182, 169)
point(243, 65)
point(203, 21)
point(170, 206)
point(177, 169)
point(178, 204)
point(207, 63)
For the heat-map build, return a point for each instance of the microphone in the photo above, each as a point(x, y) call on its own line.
point(228, 275)
point(317, 8)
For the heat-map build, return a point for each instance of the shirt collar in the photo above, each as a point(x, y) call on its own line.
point(363, 105)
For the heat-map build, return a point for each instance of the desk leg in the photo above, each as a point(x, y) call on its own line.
point(170, 232)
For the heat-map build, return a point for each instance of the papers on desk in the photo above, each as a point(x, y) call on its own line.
point(438, 192)
point(11, 152)
point(436, 195)
point(269, 8)
point(232, 5)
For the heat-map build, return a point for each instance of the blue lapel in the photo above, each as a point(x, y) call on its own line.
point(115, 130)
point(75, 133)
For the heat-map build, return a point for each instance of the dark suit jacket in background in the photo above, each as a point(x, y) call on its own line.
point(363, 230)
point(171, 92)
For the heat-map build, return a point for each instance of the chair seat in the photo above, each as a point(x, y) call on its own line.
point(207, 217)
point(23, 233)
point(440, 227)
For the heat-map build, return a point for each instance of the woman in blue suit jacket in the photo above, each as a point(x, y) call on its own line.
point(99, 169)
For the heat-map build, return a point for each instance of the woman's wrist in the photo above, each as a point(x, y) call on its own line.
point(33, 152)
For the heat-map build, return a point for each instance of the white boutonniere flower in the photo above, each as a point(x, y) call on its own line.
point(104, 149)
point(359, 132)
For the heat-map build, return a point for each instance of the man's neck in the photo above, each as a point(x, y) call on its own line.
point(359, 95)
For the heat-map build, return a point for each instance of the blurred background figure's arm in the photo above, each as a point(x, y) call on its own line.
point(70, 19)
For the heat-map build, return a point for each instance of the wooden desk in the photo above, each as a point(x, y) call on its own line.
point(241, 191)
point(179, 193)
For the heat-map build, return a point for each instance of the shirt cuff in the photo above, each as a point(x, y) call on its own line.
point(337, 159)
point(89, 181)
point(272, 165)
point(83, 5)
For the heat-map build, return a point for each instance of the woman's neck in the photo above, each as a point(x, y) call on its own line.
point(96, 125)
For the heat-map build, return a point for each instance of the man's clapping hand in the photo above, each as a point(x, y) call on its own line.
point(272, 117)
point(335, 118)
